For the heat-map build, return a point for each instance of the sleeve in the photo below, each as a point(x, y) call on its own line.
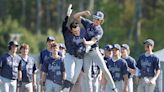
point(157, 64)
point(85, 22)
point(62, 67)
point(134, 63)
point(139, 63)
point(64, 25)
point(41, 58)
point(34, 68)
point(99, 34)
point(44, 67)
point(124, 68)
point(20, 65)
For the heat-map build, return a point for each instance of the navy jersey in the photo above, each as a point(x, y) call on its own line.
point(117, 68)
point(54, 69)
point(74, 44)
point(28, 69)
point(10, 66)
point(92, 31)
point(147, 65)
point(44, 55)
point(131, 63)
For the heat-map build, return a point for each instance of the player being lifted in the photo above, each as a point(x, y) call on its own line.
point(94, 33)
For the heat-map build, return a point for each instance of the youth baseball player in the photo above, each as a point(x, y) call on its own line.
point(44, 55)
point(28, 68)
point(10, 68)
point(94, 33)
point(149, 67)
point(125, 51)
point(118, 68)
point(108, 53)
point(73, 60)
point(53, 71)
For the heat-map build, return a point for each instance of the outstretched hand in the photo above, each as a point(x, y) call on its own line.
point(69, 10)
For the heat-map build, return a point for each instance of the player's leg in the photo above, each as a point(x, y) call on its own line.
point(5, 85)
point(77, 69)
point(69, 65)
point(13, 85)
point(98, 59)
point(29, 87)
point(87, 71)
point(57, 88)
point(150, 87)
point(95, 84)
point(49, 86)
point(141, 86)
point(130, 84)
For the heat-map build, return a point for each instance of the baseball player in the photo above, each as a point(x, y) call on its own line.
point(107, 55)
point(73, 60)
point(118, 68)
point(44, 55)
point(149, 67)
point(94, 33)
point(28, 68)
point(10, 68)
point(125, 51)
point(53, 71)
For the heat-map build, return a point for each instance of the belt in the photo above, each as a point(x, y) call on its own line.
point(117, 80)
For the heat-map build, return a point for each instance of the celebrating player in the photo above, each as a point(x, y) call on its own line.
point(73, 60)
point(94, 33)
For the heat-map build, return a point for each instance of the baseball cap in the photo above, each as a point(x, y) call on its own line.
point(149, 42)
point(11, 43)
point(98, 15)
point(108, 47)
point(126, 46)
point(116, 46)
point(50, 38)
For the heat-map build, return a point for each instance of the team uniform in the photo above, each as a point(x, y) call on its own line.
point(73, 60)
point(94, 54)
point(118, 68)
point(28, 68)
point(9, 67)
point(54, 68)
point(147, 64)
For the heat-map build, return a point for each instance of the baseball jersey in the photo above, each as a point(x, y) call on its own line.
point(147, 65)
point(28, 68)
point(74, 44)
point(117, 68)
point(92, 31)
point(10, 66)
point(54, 69)
point(131, 63)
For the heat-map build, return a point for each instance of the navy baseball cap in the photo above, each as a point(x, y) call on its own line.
point(126, 46)
point(149, 42)
point(116, 46)
point(11, 43)
point(50, 38)
point(98, 15)
point(108, 47)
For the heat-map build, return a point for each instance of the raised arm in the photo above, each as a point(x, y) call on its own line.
point(69, 11)
point(78, 15)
